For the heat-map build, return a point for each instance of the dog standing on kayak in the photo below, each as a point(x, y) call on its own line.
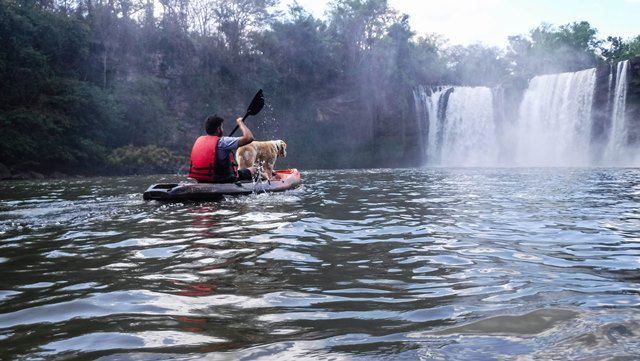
point(266, 152)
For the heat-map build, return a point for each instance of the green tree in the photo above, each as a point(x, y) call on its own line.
point(614, 50)
point(236, 19)
point(300, 58)
point(632, 50)
point(356, 26)
point(428, 60)
point(547, 49)
point(477, 65)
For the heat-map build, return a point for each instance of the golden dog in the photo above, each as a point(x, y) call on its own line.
point(261, 152)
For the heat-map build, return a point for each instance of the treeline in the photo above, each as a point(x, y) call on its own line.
point(123, 86)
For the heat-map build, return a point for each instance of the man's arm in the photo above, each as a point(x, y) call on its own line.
point(247, 136)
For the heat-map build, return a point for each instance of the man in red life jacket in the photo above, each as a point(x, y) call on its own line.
point(213, 156)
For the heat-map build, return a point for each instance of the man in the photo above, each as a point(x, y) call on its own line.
point(212, 156)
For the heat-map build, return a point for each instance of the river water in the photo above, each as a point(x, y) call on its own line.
point(457, 264)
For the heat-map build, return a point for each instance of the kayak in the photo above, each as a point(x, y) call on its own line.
point(289, 179)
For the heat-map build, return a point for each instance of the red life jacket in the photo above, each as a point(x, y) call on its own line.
point(204, 164)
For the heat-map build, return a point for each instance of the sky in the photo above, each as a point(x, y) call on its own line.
point(490, 22)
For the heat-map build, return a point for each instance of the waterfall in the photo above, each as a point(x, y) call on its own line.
point(421, 97)
point(617, 152)
point(436, 105)
point(554, 125)
point(610, 87)
point(461, 130)
point(469, 132)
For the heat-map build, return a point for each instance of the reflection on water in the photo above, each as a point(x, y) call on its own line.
point(377, 264)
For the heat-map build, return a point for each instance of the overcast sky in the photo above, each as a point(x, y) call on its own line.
point(491, 21)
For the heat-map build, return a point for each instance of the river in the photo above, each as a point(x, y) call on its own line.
point(436, 263)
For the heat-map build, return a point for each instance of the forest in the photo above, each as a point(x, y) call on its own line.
point(98, 87)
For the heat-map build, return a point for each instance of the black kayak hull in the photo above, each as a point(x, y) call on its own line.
point(289, 179)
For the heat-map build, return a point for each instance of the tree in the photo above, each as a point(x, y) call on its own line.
point(357, 25)
point(201, 17)
point(477, 65)
point(615, 50)
point(298, 53)
point(631, 49)
point(546, 49)
point(237, 18)
point(429, 61)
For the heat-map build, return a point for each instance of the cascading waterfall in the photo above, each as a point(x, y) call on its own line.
point(466, 126)
point(428, 106)
point(461, 126)
point(436, 105)
point(469, 132)
point(617, 152)
point(554, 125)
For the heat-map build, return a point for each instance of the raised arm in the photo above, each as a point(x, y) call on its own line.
point(247, 136)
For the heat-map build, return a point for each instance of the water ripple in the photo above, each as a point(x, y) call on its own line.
point(363, 264)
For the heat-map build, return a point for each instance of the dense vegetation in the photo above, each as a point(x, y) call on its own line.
point(123, 86)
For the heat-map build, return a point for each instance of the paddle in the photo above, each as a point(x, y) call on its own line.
point(254, 108)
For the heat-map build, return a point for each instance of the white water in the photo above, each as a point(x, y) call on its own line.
point(466, 135)
point(469, 133)
point(421, 98)
point(554, 125)
point(435, 104)
point(553, 128)
point(617, 152)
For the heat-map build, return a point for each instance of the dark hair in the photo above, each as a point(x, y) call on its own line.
point(212, 123)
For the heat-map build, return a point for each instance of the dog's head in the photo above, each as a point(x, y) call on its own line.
point(282, 148)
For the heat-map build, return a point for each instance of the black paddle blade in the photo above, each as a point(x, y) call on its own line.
point(256, 104)
point(254, 108)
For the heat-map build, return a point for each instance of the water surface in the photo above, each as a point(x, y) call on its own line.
point(378, 264)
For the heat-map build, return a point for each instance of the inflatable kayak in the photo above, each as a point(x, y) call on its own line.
point(289, 179)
